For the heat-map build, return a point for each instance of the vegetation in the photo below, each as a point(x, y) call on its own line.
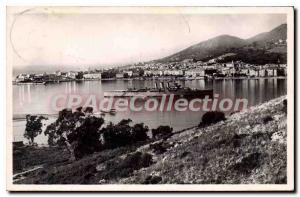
point(77, 131)
point(244, 149)
point(241, 150)
point(123, 134)
point(125, 167)
point(212, 117)
point(260, 49)
point(33, 127)
point(161, 131)
point(82, 134)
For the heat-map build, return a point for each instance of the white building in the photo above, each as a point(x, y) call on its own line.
point(153, 73)
point(262, 73)
point(195, 73)
point(94, 76)
point(253, 73)
point(271, 72)
point(22, 77)
point(71, 75)
point(119, 75)
point(173, 72)
point(129, 73)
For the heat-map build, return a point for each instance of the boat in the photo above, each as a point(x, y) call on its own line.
point(176, 90)
point(111, 112)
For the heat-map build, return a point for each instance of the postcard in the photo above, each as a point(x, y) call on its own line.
point(150, 98)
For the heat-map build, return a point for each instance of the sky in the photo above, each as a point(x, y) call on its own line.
point(81, 40)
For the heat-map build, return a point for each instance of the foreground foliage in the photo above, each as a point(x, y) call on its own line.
point(248, 147)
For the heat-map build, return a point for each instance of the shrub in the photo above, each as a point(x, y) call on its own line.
point(116, 135)
point(161, 131)
point(160, 147)
point(152, 180)
point(248, 163)
point(139, 132)
point(212, 117)
point(267, 119)
point(125, 167)
point(123, 134)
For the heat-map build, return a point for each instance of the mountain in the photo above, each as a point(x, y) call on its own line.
point(202, 50)
point(261, 46)
point(274, 35)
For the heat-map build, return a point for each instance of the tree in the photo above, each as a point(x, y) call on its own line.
point(123, 134)
point(139, 132)
point(78, 131)
point(126, 75)
point(117, 135)
point(79, 75)
point(33, 127)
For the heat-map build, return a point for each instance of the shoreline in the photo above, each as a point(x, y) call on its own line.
point(150, 78)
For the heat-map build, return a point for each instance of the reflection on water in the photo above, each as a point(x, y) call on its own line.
point(35, 99)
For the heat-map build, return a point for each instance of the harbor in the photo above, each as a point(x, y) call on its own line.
point(27, 99)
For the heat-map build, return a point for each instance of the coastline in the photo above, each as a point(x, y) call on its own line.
point(150, 78)
point(238, 149)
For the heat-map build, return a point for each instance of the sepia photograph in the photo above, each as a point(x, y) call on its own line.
point(150, 98)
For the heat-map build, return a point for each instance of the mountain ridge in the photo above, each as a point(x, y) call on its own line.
point(225, 43)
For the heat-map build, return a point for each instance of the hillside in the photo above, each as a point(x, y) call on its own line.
point(262, 48)
point(274, 35)
point(208, 48)
point(248, 147)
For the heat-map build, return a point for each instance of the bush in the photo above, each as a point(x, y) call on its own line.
point(161, 131)
point(212, 117)
point(139, 132)
point(267, 119)
point(116, 135)
point(125, 167)
point(248, 163)
point(123, 134)
point(152, 180)
point(160, 147)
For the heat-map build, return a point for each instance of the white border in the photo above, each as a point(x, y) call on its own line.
point(162, 10)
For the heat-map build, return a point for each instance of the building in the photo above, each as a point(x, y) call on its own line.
point(252, 72)
point(149, 73)
point(262, 73)
point(227, 71)
point(129, 73)
point(119, 75)
point(22, 77)
point(71, 75)
point(173, 72)
point(271, 72)
point(92, 76)
point(195, 73)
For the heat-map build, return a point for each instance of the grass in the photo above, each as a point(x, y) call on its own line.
point(240, 150)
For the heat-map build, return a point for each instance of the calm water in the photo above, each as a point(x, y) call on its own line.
point(35, 99)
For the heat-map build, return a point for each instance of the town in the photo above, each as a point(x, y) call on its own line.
point(187, 69)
